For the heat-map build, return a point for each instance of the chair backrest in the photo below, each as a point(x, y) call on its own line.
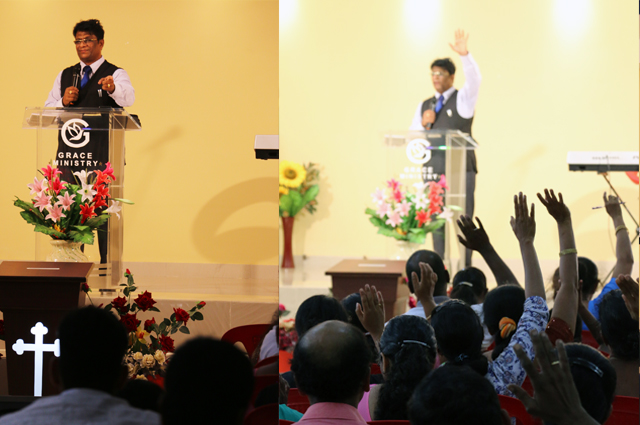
point(266, 361)
point(285, 361)
point(263, 415)
point(589, 340)
point(296, 397)
point(375, 369)
point(389, 422)
point(248, 335)
point(300, 406)
point(527, 386)
point(625, 411)
point(261, 382)
point(516, 409)
point(284, 422)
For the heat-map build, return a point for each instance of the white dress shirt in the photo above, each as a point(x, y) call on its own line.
point(467, 95)
point(124, 94)
point(78, 406)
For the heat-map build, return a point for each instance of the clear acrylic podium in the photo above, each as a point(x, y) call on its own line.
point(419, 156)
point(72, 129)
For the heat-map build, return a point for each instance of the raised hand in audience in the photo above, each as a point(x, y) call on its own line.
point(590, 320)
point(371, 311)
point(629, 288)
point(476, 238)
point(555, 397)
point(566, 302)
point(424, 287)
point(524, 227)
point(624, 254)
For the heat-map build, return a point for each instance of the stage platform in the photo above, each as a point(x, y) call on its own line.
point(236, 295)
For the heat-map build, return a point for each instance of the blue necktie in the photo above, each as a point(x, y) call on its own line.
point(438, 105)
point(86, 76)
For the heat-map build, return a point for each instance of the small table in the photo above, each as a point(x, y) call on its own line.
point(31, 292)
point(348, 276)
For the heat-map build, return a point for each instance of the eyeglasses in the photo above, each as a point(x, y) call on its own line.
point(439, 74)
point(85, 41)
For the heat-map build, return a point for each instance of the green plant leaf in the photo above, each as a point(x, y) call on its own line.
point(377, 221)
point(416, 238)
point(285, 204)
point(391, 233)
point(31, 218)
point(153, 309)
point(124, 201)
point(185, 330)
point(310, 194)
point(96, 222)
point(197, 316)
point(108, 307)
point(85, 237)
point(173, 331)
point(296, 202)
point(49, 231)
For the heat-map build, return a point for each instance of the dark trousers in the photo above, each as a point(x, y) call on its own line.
point(438, 236)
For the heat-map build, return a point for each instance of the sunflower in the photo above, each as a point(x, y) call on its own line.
point(292, 174)
point(283, 190)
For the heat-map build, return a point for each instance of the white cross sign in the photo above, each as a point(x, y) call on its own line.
point(39, 330)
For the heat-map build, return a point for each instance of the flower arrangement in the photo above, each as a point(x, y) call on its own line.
point(298, 188)
point(149, 343)
point(67, 211)
point(409, 216)
point(287, 335)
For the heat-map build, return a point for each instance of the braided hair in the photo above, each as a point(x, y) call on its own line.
point(410, 345)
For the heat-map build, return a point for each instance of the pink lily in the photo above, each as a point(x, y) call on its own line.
point(50, 173)
point(55, 213)
point(383, 209)
point(109, 171)
point(378, 196)
point(394, 219)
point(393, 184)
point(66, 201)
point(42, 201)
point(37, 186)
point(403, 208)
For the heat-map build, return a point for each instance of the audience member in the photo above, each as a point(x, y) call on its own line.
point(437, 265)
point(89, 372)
point(455, 396)
point(142, 394)
point(313, 311)
point(503, 309)
point(459, 333)
point(475, 280)
point(555, 399)
point(408, 348)
point(624, 256)
point(331, 366)
point(350, 304)
point(208, 381)
point(620, 333)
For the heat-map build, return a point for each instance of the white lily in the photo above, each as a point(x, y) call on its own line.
point(87, 192)
point(446, 213)
point(82, 176)
point(114, 208)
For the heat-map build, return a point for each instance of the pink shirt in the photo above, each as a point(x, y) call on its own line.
point(332, 413)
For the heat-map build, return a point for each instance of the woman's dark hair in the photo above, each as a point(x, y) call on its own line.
point(92, 26)
point(318, 309)
point(503, 301)
point(463, 291)
point(455, 396)
point(459, 334)
point(446, 64)
point(436, 264)
point(410, 345)
point(595, 379)
point(475, 277)
point(588, 274)
point(619, 330)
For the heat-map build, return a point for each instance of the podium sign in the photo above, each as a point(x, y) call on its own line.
point(75, 139)
point(423, 156)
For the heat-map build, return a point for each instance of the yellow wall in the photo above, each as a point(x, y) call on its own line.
point(206, 80)
point(558, 76)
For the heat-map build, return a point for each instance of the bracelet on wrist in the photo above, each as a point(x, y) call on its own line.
point(621, 227)
point(568, 251)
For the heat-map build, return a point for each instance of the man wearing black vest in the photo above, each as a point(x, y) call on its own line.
point(92, 83)
point(451, 109)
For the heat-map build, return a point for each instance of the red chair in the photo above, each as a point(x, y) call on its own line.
point(285, 361)
point(389, 422)
point(266, 361)
point(261, 382)
point(284, 422)
point(248, 335)
point(527, 386)
point(589, 340)
point(516, 409)
point(295, 397)
point(625, 411)
point(375, 369)
point(263, 415)
point(300, 407)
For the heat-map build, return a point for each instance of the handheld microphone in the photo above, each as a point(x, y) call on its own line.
point(76, 76)
point(433, 108)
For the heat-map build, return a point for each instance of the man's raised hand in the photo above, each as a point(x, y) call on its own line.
point(524, 223)
point(460, 44)
point(555, 206)
point(475, 238)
